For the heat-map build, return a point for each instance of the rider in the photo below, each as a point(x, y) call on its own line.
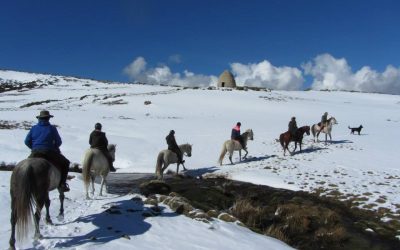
point(324, 121)
point(292, 127)
point(99, 140)
point(173, 146)
point(235, 134)
point(44, 141)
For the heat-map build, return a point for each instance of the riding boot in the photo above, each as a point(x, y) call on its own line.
point(63, 182)
point(181, 160)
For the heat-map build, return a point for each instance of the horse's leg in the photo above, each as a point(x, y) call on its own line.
point(183, 165)
point(61, 197)
point(87, 190)
point(284, 150)
point(287, 147)
point(39, 206)
point(47, 205)
point(162, 170)
point(13, 221)
point(245, 155)
point(240, 155)
point(230, 156)
point(177, 168)
point(92, 178)
point(102, 184)
point(295, 147)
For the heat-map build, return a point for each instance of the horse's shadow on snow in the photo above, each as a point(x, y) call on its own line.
point(309, 150)
point(250, 159)
point(201, 171)
point(339, 141)
point(253, 158)
point(122, 219)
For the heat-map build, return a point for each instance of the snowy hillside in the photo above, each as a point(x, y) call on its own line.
point(350, 167)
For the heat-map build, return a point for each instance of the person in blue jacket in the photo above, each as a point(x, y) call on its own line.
point(44, 141)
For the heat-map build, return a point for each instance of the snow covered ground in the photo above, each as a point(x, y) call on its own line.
point(360, 167)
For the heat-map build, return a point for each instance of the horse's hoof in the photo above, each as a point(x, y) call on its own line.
point(38, 236)
point(11, 248)
point(60, 217)
point(49, 222)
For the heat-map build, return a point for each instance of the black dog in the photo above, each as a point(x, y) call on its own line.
point(356, 130)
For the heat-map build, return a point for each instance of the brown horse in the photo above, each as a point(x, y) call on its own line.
point(31, 181)
point(286, 138)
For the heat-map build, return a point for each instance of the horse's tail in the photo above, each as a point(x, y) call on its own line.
point(160, 160)
point(281, 140)
point(313, 130)
point(23, 199)
point(222, 155)
point(87, 162)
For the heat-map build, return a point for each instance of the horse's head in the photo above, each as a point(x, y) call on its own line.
point(112, 148)
point(307, 129)
point(332, 120)
point(187, 149)
point(250, 135)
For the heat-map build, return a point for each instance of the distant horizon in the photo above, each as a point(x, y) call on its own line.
point(191, 87)
point(283, 44)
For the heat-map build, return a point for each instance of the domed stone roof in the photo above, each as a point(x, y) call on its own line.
point(226, 79)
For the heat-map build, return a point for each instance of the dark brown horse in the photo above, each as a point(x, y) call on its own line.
point(31, 181)
point(286, 138)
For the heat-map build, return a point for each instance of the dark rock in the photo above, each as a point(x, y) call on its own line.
point(154, 187)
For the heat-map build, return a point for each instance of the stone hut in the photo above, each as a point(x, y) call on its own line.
point(226, 80)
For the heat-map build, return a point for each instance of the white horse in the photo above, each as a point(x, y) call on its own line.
point(316, 129)
point(233, 145)
point(166, 157)
point(94, 164)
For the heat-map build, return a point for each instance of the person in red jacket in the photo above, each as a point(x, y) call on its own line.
point(235, 135)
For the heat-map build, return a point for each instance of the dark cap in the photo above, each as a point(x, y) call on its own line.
point(44, 114)
point(172, 132)
point(97, 126)
point(238, 124)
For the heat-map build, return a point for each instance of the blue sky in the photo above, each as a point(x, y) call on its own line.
point(98, 39)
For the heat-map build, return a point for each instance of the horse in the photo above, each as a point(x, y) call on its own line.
point(166, 157)
point(94, 164)
point(315, 129)
point(233, 145)
point(31, 181)
point(286, 138)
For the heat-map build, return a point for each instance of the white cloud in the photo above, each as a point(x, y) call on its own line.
point(264, 74)
point(136, 67)
point(336, 74)
point(138, 72)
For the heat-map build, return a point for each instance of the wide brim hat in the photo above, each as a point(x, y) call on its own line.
point(44, 114)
